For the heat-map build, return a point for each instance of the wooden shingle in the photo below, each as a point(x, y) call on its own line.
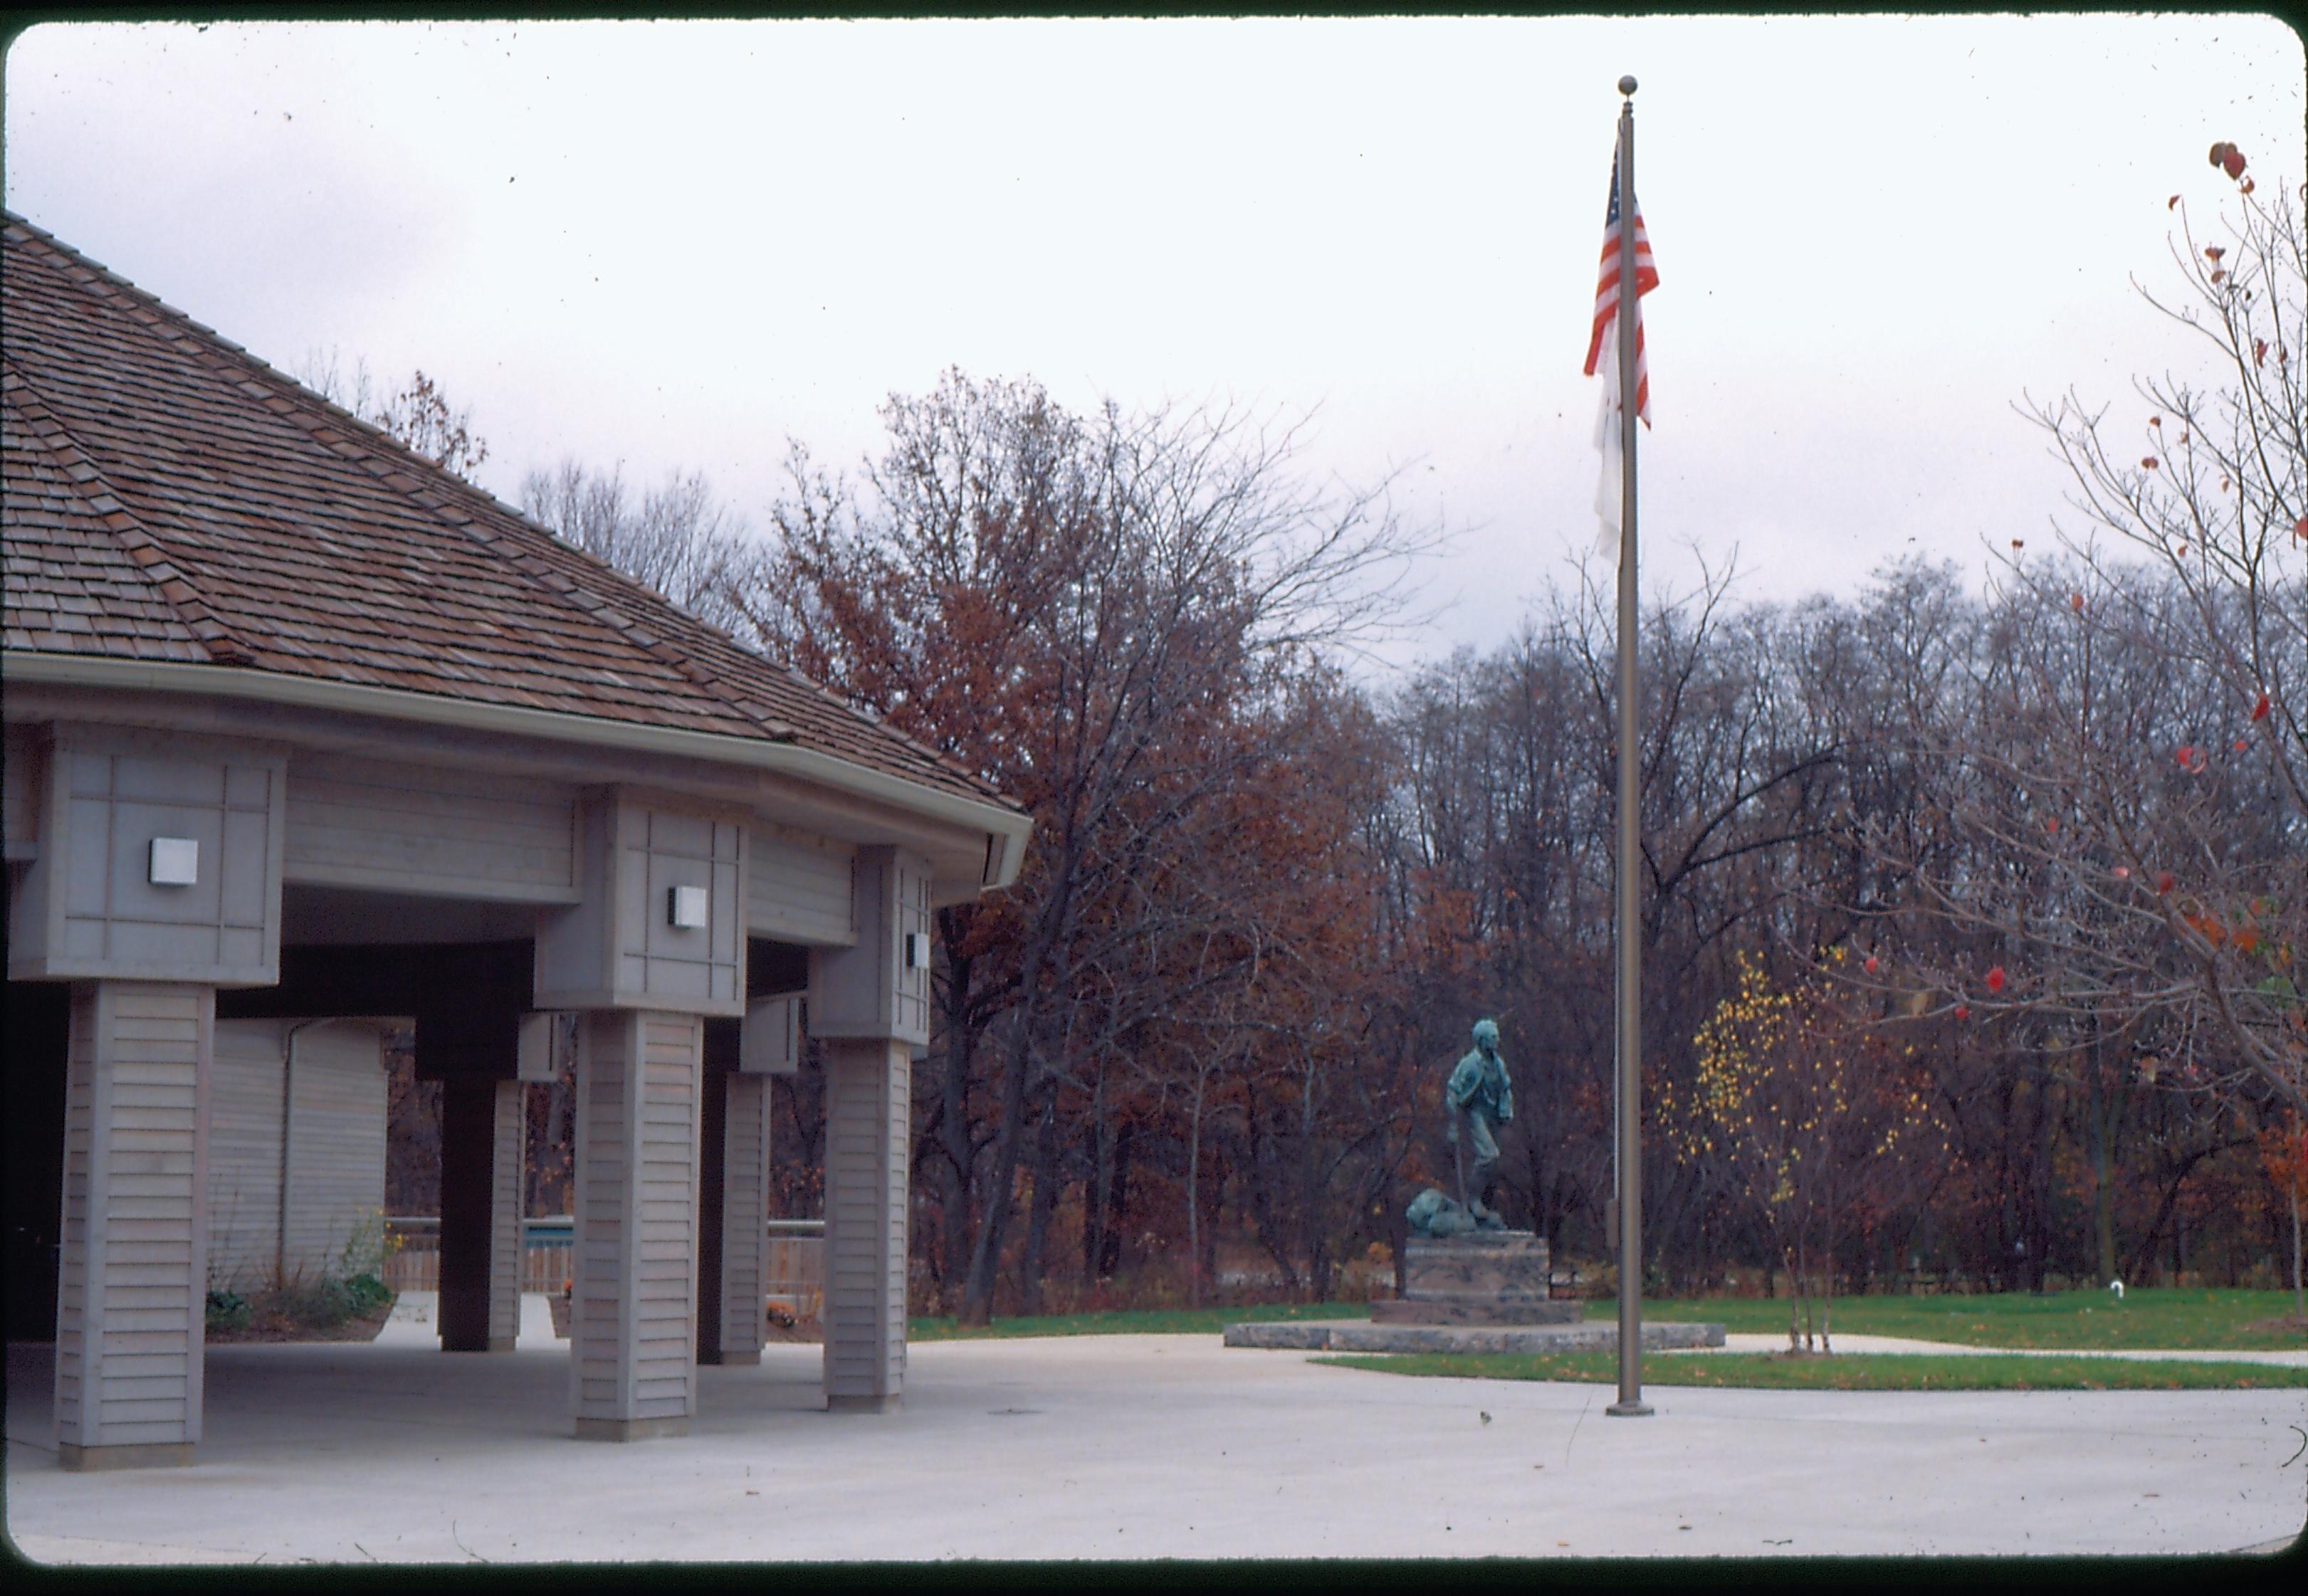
point(169, 497)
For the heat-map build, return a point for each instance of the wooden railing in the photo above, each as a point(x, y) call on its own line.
point(794, 1278)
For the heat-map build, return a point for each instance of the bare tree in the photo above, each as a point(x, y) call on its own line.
point(2141, 808)
point(1104, 615)
point(418, 414)
point(676, 537)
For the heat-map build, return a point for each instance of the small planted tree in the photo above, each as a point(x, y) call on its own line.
point(1820, 1124)
point(2284, 1155)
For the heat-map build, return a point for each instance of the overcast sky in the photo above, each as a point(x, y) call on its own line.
point(680, 244)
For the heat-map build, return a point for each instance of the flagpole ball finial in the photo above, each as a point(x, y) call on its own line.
point(1627, 85)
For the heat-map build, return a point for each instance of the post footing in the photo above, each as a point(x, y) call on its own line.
point(167, 1455)
point(630, 1429)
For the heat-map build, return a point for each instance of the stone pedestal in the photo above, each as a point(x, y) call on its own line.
point(1486, 1277)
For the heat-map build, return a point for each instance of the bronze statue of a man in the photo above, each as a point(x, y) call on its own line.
point(1481, 1099)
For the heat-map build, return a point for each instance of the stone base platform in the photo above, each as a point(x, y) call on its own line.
point(1364, 1335)
point(1400, 1310)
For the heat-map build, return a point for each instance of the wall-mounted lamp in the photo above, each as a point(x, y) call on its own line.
point(176, 862)
point(685, 911)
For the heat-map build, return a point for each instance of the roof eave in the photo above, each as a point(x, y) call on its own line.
point(1006, 828)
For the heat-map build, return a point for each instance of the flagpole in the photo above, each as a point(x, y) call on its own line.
point(1631, 1404)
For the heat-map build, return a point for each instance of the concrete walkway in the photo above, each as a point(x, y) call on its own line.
point(1139, 1447)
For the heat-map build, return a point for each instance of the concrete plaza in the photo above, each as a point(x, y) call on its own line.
point(1136, 1448)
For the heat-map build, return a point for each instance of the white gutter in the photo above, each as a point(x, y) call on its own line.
point(226, 681)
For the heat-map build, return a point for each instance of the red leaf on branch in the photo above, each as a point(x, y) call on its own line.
point(2171, 202)
point(1870, 965)
point(2260, 709)
point(2163, 882)
point(1963, 1011)
point(2052, 824)
point(2183, 754)
point(1995, 979)
point(2075, 601)
point(2213, 252)
point(2241, 744)
point(2147, 461)
point(2259, 351)
point(2232, 163)
point(2121, 872)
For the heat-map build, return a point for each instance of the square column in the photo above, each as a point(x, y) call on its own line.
point(740, 1261)
point(733, 1201)
point(131, 1298)
point(482, 1144)
point(633, 1316)
point(868, 1112)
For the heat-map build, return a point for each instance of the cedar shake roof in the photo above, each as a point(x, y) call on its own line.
point(169, 497)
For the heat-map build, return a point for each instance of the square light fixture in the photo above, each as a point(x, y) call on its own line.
point(686, 911)
point(176, 861)
point(918, 950)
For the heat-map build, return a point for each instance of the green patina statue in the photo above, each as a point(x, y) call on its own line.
point(1480, 1098)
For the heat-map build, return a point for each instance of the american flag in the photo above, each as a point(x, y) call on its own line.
point(1603, 350)
point(1606, 297)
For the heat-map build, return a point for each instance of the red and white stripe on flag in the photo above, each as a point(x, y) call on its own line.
point(1606, 295)
point(1603, 353)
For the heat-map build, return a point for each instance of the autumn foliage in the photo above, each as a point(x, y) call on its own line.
point(1971, 922)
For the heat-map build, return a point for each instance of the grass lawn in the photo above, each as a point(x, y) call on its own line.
point(1183, 1321)
point(1849, 1371)
point(2062, 1321)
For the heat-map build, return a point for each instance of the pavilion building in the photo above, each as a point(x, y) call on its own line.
point(306, 734)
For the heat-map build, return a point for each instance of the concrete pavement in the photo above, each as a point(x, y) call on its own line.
point(1776, 1343)
point(1141, 1446)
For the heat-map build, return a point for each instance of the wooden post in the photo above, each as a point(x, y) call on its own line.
point(481, 1153)
point(632, 1331)
point(133, 1290)
point(741, 1251)
point(868, 1119)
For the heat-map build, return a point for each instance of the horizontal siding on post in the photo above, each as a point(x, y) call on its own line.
point(507, 1153)
point(635, 1246)
point(336, 1145)
point(866, 1109)
point(356, 822)
point(244, 1154)
point(134, 1254)
point(744, 1214)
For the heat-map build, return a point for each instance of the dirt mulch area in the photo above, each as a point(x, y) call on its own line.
point(276, 1324)
point(2283, 1325)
